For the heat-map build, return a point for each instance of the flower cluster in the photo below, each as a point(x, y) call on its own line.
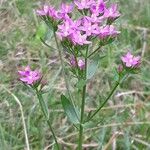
point(95, 21)
point(29, 76)
point(131, 61)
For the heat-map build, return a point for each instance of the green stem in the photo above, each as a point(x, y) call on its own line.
point(81, 121)
point(45, 112)
point(105, 101)
point(97, 49)
point(82, 108)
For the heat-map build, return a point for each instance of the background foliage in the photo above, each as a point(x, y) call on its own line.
point(123, 124)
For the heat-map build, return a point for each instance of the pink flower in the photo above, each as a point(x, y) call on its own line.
point(89, 28)
point(44, 11)
point(78, 39)
point(48, 11)
point(112, 13)
point(108, 31)
point(83, 4)
point(53, 13)
point(95, 19)
point(131, 61)
point(98, 8)
point(65, 29)
point(65, 10)
point(68, 27)
point(81, 64)
point(28, 76)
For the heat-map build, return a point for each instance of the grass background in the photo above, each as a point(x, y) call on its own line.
point(122, 125)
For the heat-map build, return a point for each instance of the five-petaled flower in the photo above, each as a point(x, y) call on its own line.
point(29, 76)
point(112, 13)
point(131, 61)
point(65, 10)
point(108, 31)
point(98, 8)
point(89, 28)
point(48, 11)
point(83, 4)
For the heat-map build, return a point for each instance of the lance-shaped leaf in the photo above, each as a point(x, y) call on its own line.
point(70, 111)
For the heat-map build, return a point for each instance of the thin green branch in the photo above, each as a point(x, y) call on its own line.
point(47, 44)
point(105, 101)
point(45, 112)
point(97, 49)
point(82, 107)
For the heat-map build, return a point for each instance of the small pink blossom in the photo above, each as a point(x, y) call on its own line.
point(44, 11)
point(68, 28)
point(108, 31)
point(112, 13)
point(28, 76)
point(131, 61)
point(83, 4)
point(94, 18)
point(65, 29)
point(81, 64)
point(89, 28)
point(53, 13)
point(98, 8)
point(65, 10)
point(48, 11)
point(78, 39)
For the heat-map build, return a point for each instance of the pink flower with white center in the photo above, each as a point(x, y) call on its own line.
point(78, 39)
point(89, 28)
point(98, 8)
point(68, 28)
point(65, 29)
point(44, 11)
point(28, 76)
point(65, 10)
point(95, 19)
point(108, 31)
point(83, 4)
point(131, 61)
point(81, 64)
point(112, 13)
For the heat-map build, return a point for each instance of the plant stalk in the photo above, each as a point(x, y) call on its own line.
point(82, 107)
point(97, 49)
point(43, 108)
point(105, 101)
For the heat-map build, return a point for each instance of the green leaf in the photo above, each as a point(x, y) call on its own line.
point(70, 111)
point(41, 30)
